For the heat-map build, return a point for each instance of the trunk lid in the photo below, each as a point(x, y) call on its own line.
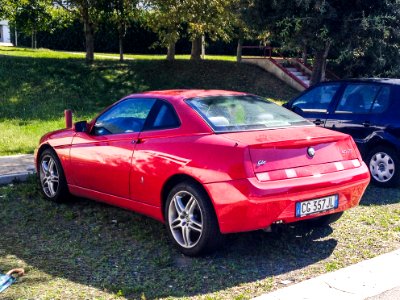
point(290, 148)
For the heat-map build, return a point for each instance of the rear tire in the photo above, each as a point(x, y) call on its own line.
point(325, 220)
point(191, 221)
point(384, 166)
point(51, 177)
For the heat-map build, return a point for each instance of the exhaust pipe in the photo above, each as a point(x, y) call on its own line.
point(68, 118)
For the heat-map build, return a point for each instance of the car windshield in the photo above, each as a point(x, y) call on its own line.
point(243, 113)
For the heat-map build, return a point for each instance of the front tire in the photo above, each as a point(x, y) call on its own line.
point(191, 221)
point(51, 177)
point(384, 166)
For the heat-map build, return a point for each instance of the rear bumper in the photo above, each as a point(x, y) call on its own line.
point(248, 204)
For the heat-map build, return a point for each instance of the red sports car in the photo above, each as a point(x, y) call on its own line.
point(206, 163)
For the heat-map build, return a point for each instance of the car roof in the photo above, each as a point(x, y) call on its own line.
point(182, 94)
point(394, 81)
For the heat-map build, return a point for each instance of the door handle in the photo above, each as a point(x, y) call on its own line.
point(137, 141)
point(366, 124)
point(317, 122)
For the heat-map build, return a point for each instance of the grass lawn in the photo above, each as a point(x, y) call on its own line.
point(88, 250)
point(37, 85)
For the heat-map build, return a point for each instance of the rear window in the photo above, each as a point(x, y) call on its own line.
point(243, 113)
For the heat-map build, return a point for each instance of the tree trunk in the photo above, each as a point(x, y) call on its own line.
point(304, 53)
point(239, 50)
point(171, 51)
point(16, 36)
point(319, 65)
point(121, 45)
point(89, 40)
point(34, 39)
point(196, 49)
point(203, 47)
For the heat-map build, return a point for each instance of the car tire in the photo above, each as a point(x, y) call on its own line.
point(191, 221)
point(324, 220)
point(51, 177)
point(384, 166)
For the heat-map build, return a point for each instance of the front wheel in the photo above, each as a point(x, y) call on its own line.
point(190, 220)
point(51, 176)
point(384, 166)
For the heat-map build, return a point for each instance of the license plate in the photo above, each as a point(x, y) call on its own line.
point(316, 205)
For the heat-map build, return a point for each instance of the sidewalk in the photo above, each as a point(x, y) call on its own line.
point(374, 279)
point(16, 167)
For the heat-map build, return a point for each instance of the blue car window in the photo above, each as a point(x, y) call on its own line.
point(382, 100)
point(317, 99)
point(124, 117)
point(358, 98)
point(166, 118)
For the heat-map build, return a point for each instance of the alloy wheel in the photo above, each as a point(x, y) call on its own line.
point(49, 176)
point(185, 219)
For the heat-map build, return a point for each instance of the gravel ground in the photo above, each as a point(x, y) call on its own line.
point(88, 250)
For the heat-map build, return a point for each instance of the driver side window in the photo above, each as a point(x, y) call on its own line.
point(127, 116)
point(317, 99)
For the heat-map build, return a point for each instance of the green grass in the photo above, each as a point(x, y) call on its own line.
point(37, 85)
point(87, 250)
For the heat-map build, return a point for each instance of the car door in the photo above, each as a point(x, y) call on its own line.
point(315, 103)
point(155, 158)
point(358, 110)
point(102, 157)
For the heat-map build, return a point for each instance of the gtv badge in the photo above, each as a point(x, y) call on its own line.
point(311, 152)
point(261, 163)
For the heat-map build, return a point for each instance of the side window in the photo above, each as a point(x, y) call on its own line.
point(318, 99)
point(358, 98)
point(164, 117)
point(127, 116)
point(381, 101)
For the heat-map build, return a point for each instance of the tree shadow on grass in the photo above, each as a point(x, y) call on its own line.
point(41, 88)
point(109, 248)
point(380, 196)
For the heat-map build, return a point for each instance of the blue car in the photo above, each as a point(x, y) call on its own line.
point(366, 109)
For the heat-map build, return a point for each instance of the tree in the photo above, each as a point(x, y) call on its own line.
point(122, 13)
point(90, 12)
point(165, 17)
point(214, 18)
point(320, 24)
point(241, 11)
point(33, 16)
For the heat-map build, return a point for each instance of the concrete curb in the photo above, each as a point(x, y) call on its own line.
point(366, 279)
point(16, 168)
point(7, 179)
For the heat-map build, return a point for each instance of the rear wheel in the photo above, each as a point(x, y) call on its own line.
point(384, 166)
point(51, 176)
point(190, 220)
point(325, 220)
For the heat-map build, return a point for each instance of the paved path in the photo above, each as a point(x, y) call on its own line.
point(374, 279)
point(16, 167)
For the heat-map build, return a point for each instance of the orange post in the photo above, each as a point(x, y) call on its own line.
point(68, 118)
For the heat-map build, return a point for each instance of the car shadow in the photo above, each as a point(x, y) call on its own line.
point(116, 250)
point(380, 196)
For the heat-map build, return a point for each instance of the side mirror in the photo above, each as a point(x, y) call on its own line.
point(80, 126)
